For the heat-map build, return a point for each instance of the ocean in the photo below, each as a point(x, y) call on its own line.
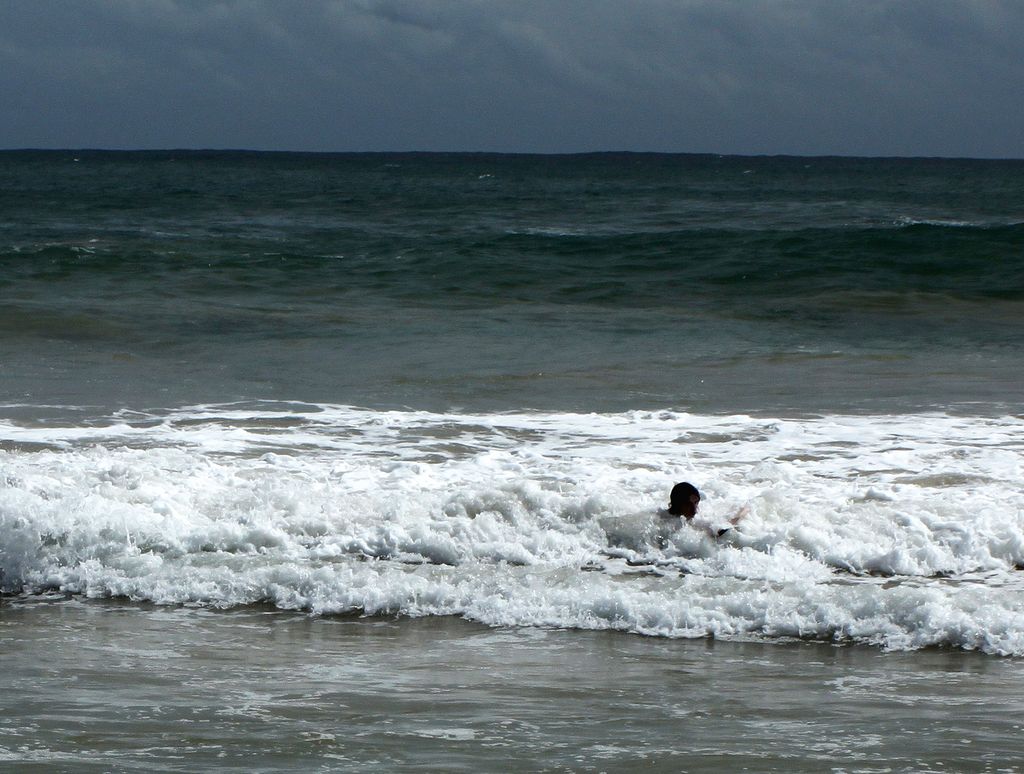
point(313, 419)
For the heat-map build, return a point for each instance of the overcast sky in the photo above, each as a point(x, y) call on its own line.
point(857, 77)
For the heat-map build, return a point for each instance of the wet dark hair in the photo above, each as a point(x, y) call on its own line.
point(679, 499)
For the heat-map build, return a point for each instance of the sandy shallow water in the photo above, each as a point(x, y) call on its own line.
point(90, 685)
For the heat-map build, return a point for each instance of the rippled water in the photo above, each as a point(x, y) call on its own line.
point(580, 283)
point(127, 688)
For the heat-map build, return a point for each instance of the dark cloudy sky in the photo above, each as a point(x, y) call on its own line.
point(917, 77)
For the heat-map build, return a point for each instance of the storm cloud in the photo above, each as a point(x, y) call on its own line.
point(923, 77)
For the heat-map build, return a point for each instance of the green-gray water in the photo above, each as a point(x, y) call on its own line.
point(125, 688)
point(602, 282)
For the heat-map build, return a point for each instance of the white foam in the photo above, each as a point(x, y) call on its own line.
point(903, 531)
point(904, 220)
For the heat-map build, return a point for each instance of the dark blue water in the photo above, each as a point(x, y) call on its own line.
point(593, 283)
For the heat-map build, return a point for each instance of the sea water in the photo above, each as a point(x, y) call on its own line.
point(462, 385)
point(99, 686)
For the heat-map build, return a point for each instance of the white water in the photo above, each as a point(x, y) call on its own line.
point(903, 531)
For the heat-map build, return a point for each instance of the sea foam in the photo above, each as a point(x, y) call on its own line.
point(900, 531)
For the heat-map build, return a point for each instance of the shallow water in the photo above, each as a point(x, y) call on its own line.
point(113, 686)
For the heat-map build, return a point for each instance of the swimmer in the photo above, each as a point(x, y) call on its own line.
point(683, 503)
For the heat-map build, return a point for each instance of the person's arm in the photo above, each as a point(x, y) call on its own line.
point(733, 521)
point(739, 515)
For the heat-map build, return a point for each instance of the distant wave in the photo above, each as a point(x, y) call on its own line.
point(952, 223)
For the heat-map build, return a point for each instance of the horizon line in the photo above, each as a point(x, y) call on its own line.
point(707, 154)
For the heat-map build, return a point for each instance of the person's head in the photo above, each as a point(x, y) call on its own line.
point(683, 500)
